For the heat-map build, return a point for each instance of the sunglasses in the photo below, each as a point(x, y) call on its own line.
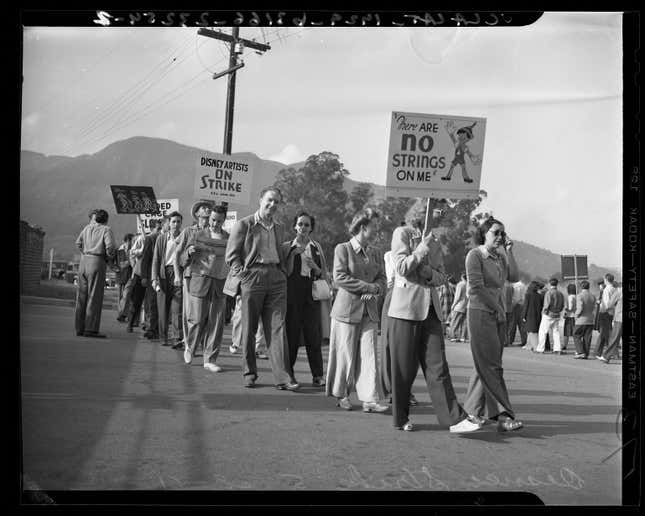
point(499, 232)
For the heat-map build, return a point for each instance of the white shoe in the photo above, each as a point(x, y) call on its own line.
point(374, 407)
point(188, 356)
point(213, 368)
point(232, 349)
point(464, 426)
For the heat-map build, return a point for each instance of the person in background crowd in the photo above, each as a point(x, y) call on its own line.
point(124, 275)
point(584, 319)
point(135, 255)
point(200, 211)
point(359, 275)
point(487, 268)
point(446, 297)
point(516, 320)
point(507, 298)
point(206, 302)
point(615, 303)
point(414, 331)
point(532, 315)
point(305, 263)
point(143, 285)
point(458, 310)
point(605, 313)
point(551, 310)
point(257, 273)
point(569, 315)
point(169, 298)
point(97, 246)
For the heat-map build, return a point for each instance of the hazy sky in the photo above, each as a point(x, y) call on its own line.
point(551, 94)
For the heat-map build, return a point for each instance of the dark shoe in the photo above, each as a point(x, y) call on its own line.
point(509, 425)
point(261, 356)
point(166, 343)
point(129, 329)
point(445, 179)
point(179, 345)
point(468, 180)
point(249, 383)
point(80, 333)
point(121, 318)
point(413, 401)
point(318, 382)
point(151, 335)
point(94, 335)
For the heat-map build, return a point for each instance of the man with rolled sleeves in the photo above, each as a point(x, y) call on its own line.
point(255, 256)
point(96, 243)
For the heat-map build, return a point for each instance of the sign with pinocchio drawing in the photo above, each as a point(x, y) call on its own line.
point(438, 156)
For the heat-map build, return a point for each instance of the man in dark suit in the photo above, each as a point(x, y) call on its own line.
point(142, 284)
point(169, 298)
point(257, 271)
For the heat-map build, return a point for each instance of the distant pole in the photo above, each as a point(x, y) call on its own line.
point(575, 270)
point(230, 92)
point(51, 261)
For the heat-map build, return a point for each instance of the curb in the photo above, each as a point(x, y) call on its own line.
point(52, 301)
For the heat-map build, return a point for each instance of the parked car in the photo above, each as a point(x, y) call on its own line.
point(71, 274)
point(58, 269)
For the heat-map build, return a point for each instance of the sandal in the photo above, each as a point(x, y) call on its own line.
point(509, 425)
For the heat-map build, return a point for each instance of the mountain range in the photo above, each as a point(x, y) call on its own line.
point(56, 193)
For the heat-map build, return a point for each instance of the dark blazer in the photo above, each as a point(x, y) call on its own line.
point(242, 250)
point(532, 311)
point(351, 277)
point(143, 266)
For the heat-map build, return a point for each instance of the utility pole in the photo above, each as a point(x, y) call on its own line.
point(236, 47)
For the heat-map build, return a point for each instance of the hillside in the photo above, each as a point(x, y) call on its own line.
point(56, 192)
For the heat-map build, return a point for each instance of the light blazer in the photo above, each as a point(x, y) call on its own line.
point(242, 250)
point(461, 301)
point(585, 305)
point(352, 276)
point(418, 269)
point(158, 259)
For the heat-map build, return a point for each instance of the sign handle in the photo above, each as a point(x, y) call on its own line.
point(425, 226)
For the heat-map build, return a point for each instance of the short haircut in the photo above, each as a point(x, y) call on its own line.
point(609, 277)
point(479, 235)
point(553, 282)
point(463, 276)
point(584, 284)
point(416, 214)
point(305, 214)
point(271, 189)
point(174, 214)
point(533, 286)
point(362, 218)
point(571, 288)
point(127, 237)
point(155, 223)
point(219, 209)
point(601, 281)
point(101, 216)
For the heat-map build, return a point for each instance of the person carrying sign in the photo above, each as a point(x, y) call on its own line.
point(206, 303)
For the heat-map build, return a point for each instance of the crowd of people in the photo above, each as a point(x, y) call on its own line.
point(390, 314)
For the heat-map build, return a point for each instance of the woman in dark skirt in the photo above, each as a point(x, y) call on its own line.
point(569, 315)
point(532, 315)
point(487, 268)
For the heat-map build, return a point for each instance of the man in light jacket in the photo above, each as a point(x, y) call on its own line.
point(615, 303)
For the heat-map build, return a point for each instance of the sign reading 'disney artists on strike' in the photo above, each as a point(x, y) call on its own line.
point(438, 156)
point(164, 207)
point(224, 178)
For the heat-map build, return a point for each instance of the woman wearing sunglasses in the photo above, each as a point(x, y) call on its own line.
point(488, 266)
point(305, 263)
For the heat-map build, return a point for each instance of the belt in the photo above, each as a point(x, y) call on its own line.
point(93, 254)
point(263, 265)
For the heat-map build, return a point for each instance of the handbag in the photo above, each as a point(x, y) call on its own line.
point(320, 290)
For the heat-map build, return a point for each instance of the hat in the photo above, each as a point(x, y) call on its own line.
point(199, 204)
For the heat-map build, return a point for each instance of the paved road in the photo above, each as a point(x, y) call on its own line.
point(126, 413)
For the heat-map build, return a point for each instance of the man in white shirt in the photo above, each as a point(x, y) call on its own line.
point(169, 295)
point(606, 314)
point(516, 322)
